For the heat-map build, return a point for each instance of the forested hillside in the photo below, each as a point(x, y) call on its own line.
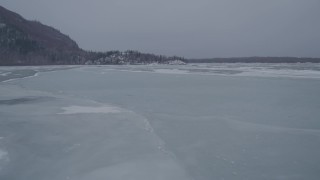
point(24, 42)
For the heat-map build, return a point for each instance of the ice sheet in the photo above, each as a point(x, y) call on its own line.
point(201, 122)
point(85, 109)
point(3, 154)
point(307, 70)
point(171, 71)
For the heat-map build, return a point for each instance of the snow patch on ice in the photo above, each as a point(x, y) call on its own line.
point(248, 126)
point(89, 109)
point(9, 80)
point(3, 155)
point(162, 169)
point(281, 73)
point(148, 126)
point(73, 147)
point(3, 158)
point(171, 71)
point(159, 143)
point(5, 74)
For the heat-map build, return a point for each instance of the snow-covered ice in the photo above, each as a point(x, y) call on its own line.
point(170, 71)
point(85, 109)
point(4, 159)
point(3, 154)
point(195, 121)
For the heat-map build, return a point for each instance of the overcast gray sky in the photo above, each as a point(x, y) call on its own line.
point(189, 28)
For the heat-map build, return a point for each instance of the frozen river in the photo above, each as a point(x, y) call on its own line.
point(197, 122)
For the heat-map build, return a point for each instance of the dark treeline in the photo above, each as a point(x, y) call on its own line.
point(256, 60)
point(129, 57)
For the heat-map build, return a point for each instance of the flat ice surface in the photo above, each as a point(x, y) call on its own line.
point(161, 122)
point(85, 109)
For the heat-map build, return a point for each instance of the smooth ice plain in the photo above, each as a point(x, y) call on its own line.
point(160, 122)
